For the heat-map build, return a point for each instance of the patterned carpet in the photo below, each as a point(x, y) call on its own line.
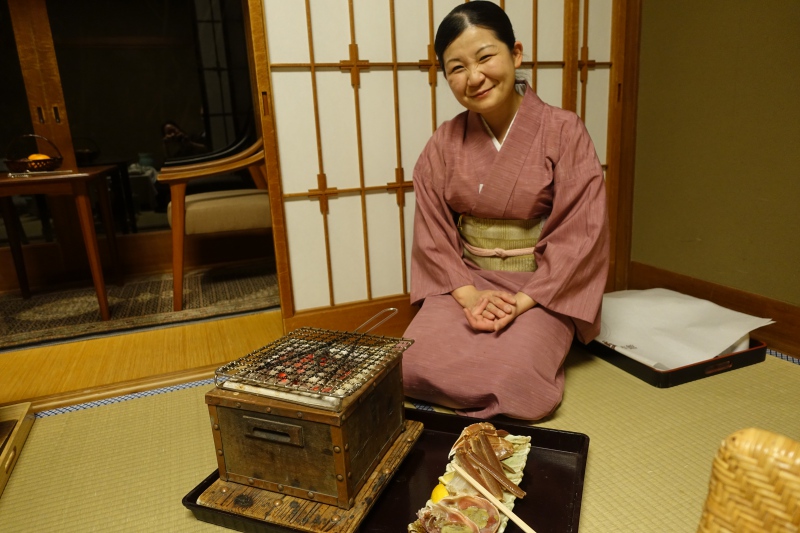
point(141, 303)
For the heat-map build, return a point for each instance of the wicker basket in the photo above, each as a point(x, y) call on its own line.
point(16, 163)
point(755, 485)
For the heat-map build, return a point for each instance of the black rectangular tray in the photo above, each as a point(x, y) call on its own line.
point(553, 479)
point(669, 378)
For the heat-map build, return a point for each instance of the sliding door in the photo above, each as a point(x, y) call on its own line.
point(356, 93)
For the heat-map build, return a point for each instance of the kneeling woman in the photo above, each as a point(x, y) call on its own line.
point(510, 251)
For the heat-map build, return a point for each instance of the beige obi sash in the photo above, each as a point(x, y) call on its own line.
point(498, 244)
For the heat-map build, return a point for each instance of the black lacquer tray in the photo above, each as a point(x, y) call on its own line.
point(553, 480)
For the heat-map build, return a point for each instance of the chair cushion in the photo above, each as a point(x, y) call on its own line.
point(212, 212)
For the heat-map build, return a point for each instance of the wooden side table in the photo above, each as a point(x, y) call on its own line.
point(73, 184)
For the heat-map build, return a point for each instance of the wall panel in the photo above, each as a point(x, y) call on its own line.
point(330, 30)
point(385, 246)
point(372, 25)
point(408, 217)
point(596, 116)
point(415, 116)
point(549, 83)
point(377, 128)
point(411, 25)
point(337, 121)
point(307, 261)
point(550, 38)
point(348, 261)
point(294, 118)
point(286, 31)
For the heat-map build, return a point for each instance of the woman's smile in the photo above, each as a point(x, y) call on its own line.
point(482, 93)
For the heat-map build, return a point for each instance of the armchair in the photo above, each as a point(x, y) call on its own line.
point(217, 211)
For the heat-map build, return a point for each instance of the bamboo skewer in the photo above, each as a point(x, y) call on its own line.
point(497, 503)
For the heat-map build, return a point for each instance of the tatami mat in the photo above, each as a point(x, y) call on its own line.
point(125, 466)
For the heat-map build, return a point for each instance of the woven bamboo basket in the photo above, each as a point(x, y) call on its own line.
point(755, 485)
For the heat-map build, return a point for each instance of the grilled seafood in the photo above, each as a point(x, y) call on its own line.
point(460, 514)
point(478, 451)
point(455, 505)
point(501, 447)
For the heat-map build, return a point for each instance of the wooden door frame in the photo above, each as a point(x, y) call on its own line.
point(623, 101)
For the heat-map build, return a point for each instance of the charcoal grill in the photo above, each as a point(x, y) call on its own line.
point(312, 414)
point(314, 366)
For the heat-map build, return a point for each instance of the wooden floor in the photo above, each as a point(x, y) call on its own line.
point(70, 373)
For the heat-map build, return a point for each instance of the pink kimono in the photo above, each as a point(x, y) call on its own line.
point(547, 167)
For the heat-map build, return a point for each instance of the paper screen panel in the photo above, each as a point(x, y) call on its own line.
point(374, 269)
point(287, 31)
point(551, 31)
point(525, 73)
point(385, 251)
point(600, 30)
point(337, 121)
point(348, 264)
point(378, 127)
point(440, 10)
point(373, 28)
point(447, 106)
point(597, 110)
point(408, 219)
point(521, 14)
point(548, 85)
point(595, 31)
point(411, 26)
point(307, 263)
point(294, 119)
point(415, 116)
point(330, 26)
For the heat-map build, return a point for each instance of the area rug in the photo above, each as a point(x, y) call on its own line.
point(140, 303)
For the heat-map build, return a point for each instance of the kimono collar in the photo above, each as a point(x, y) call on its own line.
point(506, 165)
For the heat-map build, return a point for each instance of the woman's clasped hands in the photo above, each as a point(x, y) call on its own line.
point(491, 310)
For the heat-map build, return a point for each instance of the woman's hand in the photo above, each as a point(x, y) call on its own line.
point(491, 310)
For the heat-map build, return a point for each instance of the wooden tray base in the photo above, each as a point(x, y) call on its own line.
point(287, 513)
point(15, 424)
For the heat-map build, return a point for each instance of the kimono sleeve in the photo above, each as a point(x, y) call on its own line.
point(436, 263)
point(572, 253)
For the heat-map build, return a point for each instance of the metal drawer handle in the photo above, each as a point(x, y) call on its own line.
point(272, 431)
point(719, 367)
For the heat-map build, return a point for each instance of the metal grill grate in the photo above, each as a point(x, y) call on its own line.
point(314, 363)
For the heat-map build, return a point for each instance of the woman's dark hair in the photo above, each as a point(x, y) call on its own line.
point(482, 14)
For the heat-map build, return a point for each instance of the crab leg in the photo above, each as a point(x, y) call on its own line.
point(468, 464)
point(509, 485)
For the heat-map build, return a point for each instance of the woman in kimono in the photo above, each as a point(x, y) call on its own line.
point(510, 251)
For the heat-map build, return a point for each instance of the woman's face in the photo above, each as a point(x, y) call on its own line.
point(480, 70)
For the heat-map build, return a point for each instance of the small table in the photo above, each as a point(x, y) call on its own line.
point(65, 184)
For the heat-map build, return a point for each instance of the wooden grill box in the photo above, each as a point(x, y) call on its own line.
point(305, 451)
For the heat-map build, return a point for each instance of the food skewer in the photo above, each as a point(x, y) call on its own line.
point(497, 503)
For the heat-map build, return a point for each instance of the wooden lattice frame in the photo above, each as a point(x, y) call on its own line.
point(576, 64)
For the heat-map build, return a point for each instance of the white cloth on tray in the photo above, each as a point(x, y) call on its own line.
point(666, 329)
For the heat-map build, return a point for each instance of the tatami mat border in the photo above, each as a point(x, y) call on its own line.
point(126, 397)
point(210, 381)
point(785, 357)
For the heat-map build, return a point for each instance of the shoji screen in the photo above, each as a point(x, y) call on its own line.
point(594, 67)
point(356, 95)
